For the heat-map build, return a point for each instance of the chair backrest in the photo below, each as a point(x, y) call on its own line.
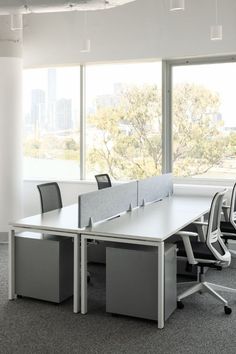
point(213, 235)
point(103, 181)
point(232, 213)
point(50, 196)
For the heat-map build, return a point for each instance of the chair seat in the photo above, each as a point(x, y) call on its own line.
point(200, 250)
point(227, 227)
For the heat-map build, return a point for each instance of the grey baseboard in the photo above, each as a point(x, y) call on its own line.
point(3, 237)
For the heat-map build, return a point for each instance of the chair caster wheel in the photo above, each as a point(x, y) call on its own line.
point(19, 296)
point(180, 305)
point(228, 310)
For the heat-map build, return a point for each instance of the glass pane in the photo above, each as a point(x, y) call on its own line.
point(204, 124)
point(51, 129)
point(123, 129)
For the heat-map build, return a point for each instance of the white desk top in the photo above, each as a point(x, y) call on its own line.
point(65, 220)
point(154, 222)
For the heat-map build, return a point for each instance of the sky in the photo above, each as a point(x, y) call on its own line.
point(220, 78)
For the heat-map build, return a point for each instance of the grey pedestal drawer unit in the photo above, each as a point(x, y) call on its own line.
point(44, 267)
point(132, 281)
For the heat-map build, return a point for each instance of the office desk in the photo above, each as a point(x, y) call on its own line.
point(61, 222)
point(150, 226)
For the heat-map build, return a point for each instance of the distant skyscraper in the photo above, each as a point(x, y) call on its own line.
point(52, 84)
point(106, 101)
point(52, 98)
point(38, 108)
point(111, 100)
point(63, 114)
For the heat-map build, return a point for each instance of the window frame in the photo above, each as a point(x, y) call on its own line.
point(86, 65)
point(56, 66)
point(167, 79)
point(82, 112)
point(166, 84)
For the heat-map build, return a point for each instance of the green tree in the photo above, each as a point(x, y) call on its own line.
point(53, 147)
point(231, 148)
point(70, 144)
point(198, 144)
point(130, 135)
point(128, 143)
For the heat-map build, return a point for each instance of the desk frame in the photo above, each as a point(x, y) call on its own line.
point(66, 225)
point(76, 266)
point(161, 252)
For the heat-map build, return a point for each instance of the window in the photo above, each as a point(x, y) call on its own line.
point(204, 120)
point(123, 129)
point(51, 129)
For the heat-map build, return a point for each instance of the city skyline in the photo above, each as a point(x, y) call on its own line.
point(47, 112)
point(52, 105)
point(65, 83)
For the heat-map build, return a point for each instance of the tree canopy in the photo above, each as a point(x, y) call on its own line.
point(125, 138)
point(129, 142)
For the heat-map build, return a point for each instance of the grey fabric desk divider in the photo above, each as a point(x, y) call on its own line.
point(155, 188)
point(106, 203)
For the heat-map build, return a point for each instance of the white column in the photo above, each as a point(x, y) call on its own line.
point(10, 127)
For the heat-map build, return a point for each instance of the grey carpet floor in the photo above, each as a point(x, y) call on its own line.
point(31, 326)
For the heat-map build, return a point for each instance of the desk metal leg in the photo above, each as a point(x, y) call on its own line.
point(11, 257)
point(83, 275)
point(161, 302)
point(76, 295)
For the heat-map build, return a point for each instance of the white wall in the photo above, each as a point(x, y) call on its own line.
point(10, 140)
point(142, 29)
point(10, 125)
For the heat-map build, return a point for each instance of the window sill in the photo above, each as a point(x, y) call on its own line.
point(176, 180)
point(204, 181)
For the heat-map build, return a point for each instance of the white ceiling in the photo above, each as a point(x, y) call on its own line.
point(43, 6)
point(142, 29)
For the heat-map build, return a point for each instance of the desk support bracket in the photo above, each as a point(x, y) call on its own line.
point(76, 282)
point(83, 274)
point(11, 257)
point(161, 302)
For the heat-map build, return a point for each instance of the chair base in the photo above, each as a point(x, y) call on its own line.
point(210, 288)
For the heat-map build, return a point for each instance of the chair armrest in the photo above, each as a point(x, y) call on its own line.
point(225, 209)
point(200, 229)
point(202, 223)
point(187, 245)
point(187, 234)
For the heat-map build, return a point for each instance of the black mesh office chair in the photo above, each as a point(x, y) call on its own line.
point(210, 253)
point(50, 196)
point(228, 226)
point(103, 181)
